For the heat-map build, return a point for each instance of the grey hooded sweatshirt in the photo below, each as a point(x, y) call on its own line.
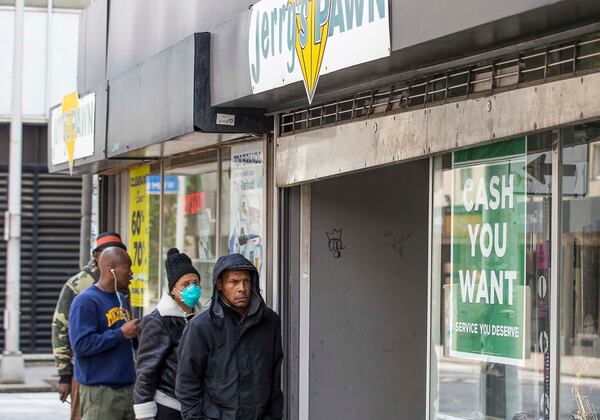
point(229, 367)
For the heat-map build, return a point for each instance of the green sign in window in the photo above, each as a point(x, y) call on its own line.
point(488, 295)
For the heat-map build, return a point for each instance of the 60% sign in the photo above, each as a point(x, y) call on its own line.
point(137, 223)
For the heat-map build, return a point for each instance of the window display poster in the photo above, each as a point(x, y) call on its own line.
point(488, 295)
point(246, 202)
point(139, 238)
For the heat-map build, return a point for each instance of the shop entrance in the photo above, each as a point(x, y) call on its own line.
point(367, 348)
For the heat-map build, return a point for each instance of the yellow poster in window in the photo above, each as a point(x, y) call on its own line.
point(139, 238)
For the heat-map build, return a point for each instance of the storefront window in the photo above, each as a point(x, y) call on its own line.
point(580, 300)
point(193, 218)
point(190, 214)
point(490, 330)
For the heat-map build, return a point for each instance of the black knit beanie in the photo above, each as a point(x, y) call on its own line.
point(178, 264)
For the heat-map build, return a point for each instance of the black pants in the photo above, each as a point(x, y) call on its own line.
point(166, 413)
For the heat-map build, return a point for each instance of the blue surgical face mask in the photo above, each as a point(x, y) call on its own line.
point(191, 295)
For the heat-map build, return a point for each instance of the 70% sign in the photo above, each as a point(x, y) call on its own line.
point(137, 222)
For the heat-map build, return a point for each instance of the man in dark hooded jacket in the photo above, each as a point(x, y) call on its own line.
point(230, 355)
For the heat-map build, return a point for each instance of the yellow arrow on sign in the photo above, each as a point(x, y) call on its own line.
point(70, 104)
point(311, 40)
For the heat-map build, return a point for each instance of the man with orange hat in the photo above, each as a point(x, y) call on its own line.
point(63, 354)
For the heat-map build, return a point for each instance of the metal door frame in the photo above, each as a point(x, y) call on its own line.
point(304, 276)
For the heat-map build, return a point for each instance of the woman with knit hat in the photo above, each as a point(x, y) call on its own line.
point(159, 334)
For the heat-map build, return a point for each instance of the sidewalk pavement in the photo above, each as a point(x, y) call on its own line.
point(40, 376)
point(33, 406)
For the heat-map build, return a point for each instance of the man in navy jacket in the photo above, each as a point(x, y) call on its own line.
point(101, 333)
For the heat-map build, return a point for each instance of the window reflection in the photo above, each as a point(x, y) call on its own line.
point(190, 215)
point(580, 341)
point(153, 189)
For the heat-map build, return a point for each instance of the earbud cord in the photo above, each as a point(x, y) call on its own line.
point(123, 312)
point(119, 296)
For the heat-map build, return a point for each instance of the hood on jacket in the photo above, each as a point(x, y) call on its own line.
point(92, 269)
point(168, 307)
point(235, 262)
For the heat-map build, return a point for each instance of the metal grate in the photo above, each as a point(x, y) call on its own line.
point(51, 209)
point(537, 66)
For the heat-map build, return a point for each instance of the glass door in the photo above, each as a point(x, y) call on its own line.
point(490, 335)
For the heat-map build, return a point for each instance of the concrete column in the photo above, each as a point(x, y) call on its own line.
point(12, 369)
point(86, 219)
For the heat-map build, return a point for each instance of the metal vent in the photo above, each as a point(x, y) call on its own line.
point(538, 66)
point(51, 211)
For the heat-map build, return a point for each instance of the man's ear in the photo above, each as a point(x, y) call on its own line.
point(219, 287)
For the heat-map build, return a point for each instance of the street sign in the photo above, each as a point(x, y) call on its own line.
point(171, 184)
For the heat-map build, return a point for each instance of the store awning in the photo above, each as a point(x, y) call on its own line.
point(162, 106)
point(159, 108)
point(425, 37)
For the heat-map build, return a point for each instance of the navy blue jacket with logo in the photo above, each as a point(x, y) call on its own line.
point(103, 356)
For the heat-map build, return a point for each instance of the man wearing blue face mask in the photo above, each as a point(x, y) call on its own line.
point(160, 331)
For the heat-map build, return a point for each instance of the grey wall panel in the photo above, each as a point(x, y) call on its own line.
point(368, 311)
point(154, 101)
point(230, 74)
point(415, 22)
point(476, 27)
point(140, 29)
point(91, 70)
point(100, 122)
